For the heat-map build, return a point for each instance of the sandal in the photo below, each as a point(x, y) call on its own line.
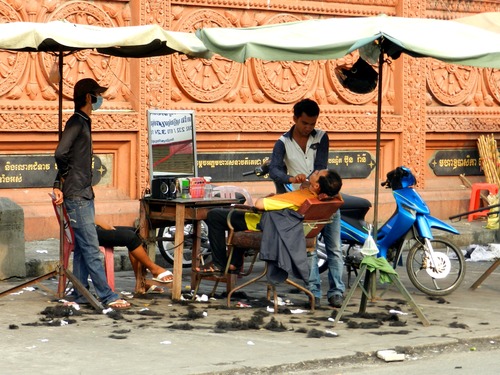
point(154, 289)
point(164, 277)
point(119, 304)
point(209, 269)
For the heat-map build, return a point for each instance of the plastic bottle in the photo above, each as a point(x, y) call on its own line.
point(208, 187)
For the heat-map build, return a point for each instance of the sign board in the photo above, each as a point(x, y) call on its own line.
point(40, 170)
point(456, 162)
point(172, 143)
point(230, 166)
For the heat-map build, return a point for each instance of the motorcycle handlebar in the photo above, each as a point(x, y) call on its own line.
point(259, 171)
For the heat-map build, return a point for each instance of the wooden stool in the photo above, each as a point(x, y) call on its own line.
point(109, 265)
point(475, 198)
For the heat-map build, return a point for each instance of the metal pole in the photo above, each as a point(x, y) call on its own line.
point(377, 145)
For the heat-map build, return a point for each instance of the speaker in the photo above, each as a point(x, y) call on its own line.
point(164, 188)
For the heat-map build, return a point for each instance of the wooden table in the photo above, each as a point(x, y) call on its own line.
point(155, 213)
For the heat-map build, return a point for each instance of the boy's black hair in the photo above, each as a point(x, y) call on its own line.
point(307, 106)
point(330, 184)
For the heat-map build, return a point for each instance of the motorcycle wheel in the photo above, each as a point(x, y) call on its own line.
point(446, 277)
point(320, 249)
point(166, 244)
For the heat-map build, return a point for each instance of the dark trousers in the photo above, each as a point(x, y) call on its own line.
point(120, 236)
point(217, 227)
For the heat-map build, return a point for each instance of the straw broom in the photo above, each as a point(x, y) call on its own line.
point(489, 158)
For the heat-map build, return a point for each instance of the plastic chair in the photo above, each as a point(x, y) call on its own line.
point(316, 213)
point(475, 198)
point(69, 246)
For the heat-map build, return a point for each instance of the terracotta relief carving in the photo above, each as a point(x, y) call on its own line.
point(26, 77)
point(491, 79)
point(451, 84)
point(441, 9)
point(13, 66)
point(257, 81)
point(86, 63)
point(412, 136)
point(201, 79)
point(284, 81)
point(332, 7)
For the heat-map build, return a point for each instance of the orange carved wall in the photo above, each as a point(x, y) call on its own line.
point(427, 105)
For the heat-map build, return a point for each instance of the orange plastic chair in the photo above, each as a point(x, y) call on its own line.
point(69, 246)
point(475, 198)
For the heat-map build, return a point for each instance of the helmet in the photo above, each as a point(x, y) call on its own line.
point(400, 178)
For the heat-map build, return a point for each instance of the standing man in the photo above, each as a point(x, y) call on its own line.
point(73, 187)
point(297, 154)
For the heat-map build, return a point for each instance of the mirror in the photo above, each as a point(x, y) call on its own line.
point(172, 143)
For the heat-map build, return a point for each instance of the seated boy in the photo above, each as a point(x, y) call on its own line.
point(326, 181)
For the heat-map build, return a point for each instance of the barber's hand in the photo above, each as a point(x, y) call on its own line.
point(58, 194)
point(298, 179)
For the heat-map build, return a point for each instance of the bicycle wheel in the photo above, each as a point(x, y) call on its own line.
point(442, 279)
point(167, 238)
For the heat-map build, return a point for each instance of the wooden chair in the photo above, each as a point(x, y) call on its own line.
point(69, 246)
point(316, 213)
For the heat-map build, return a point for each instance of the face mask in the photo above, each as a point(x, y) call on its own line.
point(98, 102)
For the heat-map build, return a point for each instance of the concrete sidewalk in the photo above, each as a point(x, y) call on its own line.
point(156, 335)
point(42, 256)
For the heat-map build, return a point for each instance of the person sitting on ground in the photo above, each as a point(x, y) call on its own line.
point(324, 182)
point(110, 236)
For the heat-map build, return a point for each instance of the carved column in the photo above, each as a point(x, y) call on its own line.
point(413, 89)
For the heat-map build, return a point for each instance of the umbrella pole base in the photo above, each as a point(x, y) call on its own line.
point(76, 283)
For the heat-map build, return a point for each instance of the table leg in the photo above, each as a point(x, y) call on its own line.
point(146, 233)
point(180, 215)
point(195, 261)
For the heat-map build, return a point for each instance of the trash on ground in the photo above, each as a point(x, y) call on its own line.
point(126, 294)
point(243, 305)
point(333, 320)
point(250, 343)
point(166, 342)
point(73, 305)
point(390, 355)
point(298, 311)
point(283, 302)
point(107, 311)
point(202, 298)
point(397, 312)
point(480, 253)
point(329, 333)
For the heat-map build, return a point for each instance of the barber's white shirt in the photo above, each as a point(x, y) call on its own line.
point(298, 161)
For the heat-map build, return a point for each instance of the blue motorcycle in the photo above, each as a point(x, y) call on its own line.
point(435, 265)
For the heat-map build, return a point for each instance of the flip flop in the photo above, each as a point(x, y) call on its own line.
point(154, 289)
point(161, 277)
point(119, 304)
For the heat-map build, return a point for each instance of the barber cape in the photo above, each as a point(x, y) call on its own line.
point(283, 245)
